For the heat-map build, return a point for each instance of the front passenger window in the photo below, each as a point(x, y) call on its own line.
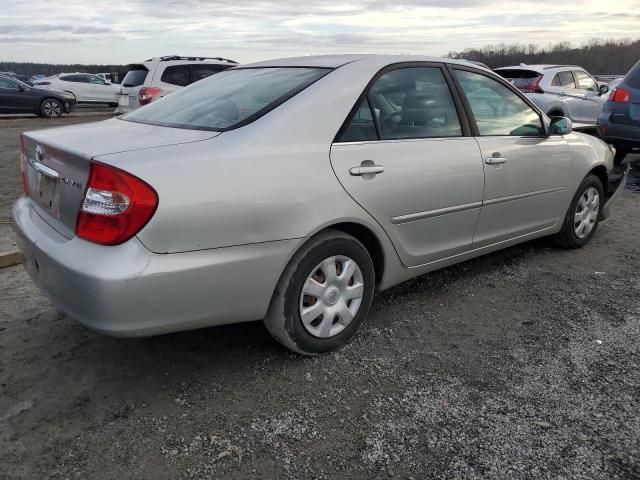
point(585, 82)
point(497, 110)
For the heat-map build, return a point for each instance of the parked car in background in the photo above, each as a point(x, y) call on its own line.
point(620, 119)
point(560, 90)
point(26, 79)
point(160, 76)
point(85, 87)
point(18, 97)
point(290, 190)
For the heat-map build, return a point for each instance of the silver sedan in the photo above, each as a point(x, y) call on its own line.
point(291, 190)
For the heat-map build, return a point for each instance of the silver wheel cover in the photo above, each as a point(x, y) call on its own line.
point(331, 296)
point(587, 211)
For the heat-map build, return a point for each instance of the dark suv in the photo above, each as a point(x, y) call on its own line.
point(620, 118)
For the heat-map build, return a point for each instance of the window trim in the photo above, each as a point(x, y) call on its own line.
point(452, 67)
point(462, 117)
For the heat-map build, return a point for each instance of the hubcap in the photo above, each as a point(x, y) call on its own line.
point(52, 109)
point(331, 296)
point(587, 212)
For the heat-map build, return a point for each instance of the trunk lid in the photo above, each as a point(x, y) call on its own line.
point(57, 161)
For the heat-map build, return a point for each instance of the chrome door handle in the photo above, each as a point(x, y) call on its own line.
point(495, 160)
point(43, 169)
point(366, 170)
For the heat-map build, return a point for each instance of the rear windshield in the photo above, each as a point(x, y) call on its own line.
point(227, 100)
point(633, 77)
point(519, 78)
point(135, 77)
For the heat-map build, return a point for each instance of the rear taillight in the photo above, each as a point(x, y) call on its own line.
point(23, 165)
point(148, 94)
point(533, 87)
point(116, 206)
point(620, 95)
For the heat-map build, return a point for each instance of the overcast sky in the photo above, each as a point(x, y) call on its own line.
point(125, 31)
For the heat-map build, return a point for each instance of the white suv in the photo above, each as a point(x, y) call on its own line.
point(159, 76)
point(85, 87)
point(560, 90)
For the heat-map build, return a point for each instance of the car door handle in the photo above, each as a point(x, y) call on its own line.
point(366, 170)
point(495, 160)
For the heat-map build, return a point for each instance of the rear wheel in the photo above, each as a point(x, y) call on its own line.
point(583, 216)
point(323, 295)
point(51, 108)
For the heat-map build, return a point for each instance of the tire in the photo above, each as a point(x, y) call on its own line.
point(51, 108)
point(574, 235)
point(310, 268)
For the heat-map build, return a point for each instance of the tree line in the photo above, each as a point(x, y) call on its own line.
point(599, 57)
point(47, 69)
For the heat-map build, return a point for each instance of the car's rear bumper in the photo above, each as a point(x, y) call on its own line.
point(126, 290)
point(619, 134)
point(616, 186)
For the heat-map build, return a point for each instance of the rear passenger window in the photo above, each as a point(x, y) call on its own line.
point(362, 126)
point(414, 102)
point(75, 78)
point(198, 72)
point(176, 75)
point(564, 79)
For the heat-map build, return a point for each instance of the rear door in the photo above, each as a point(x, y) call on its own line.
point(77, 84)
point(405, 156)
point(526, 172)
point(174, 77)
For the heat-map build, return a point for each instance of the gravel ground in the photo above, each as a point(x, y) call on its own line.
point(520, 364)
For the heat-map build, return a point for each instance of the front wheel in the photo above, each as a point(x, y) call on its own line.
point(323, 295)
point(583, 216)
point(51, 108)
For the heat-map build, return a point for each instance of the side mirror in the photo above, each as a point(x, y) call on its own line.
point(560, 126)
point(603, 89)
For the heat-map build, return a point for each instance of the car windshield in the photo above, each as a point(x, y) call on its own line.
point(229, 99)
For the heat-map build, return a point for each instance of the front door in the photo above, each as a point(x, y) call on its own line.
point(403, 157)
point(592, 102)
point(527, 173)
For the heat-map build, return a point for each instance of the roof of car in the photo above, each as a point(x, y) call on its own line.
point(334, 61)
point(537, 68)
